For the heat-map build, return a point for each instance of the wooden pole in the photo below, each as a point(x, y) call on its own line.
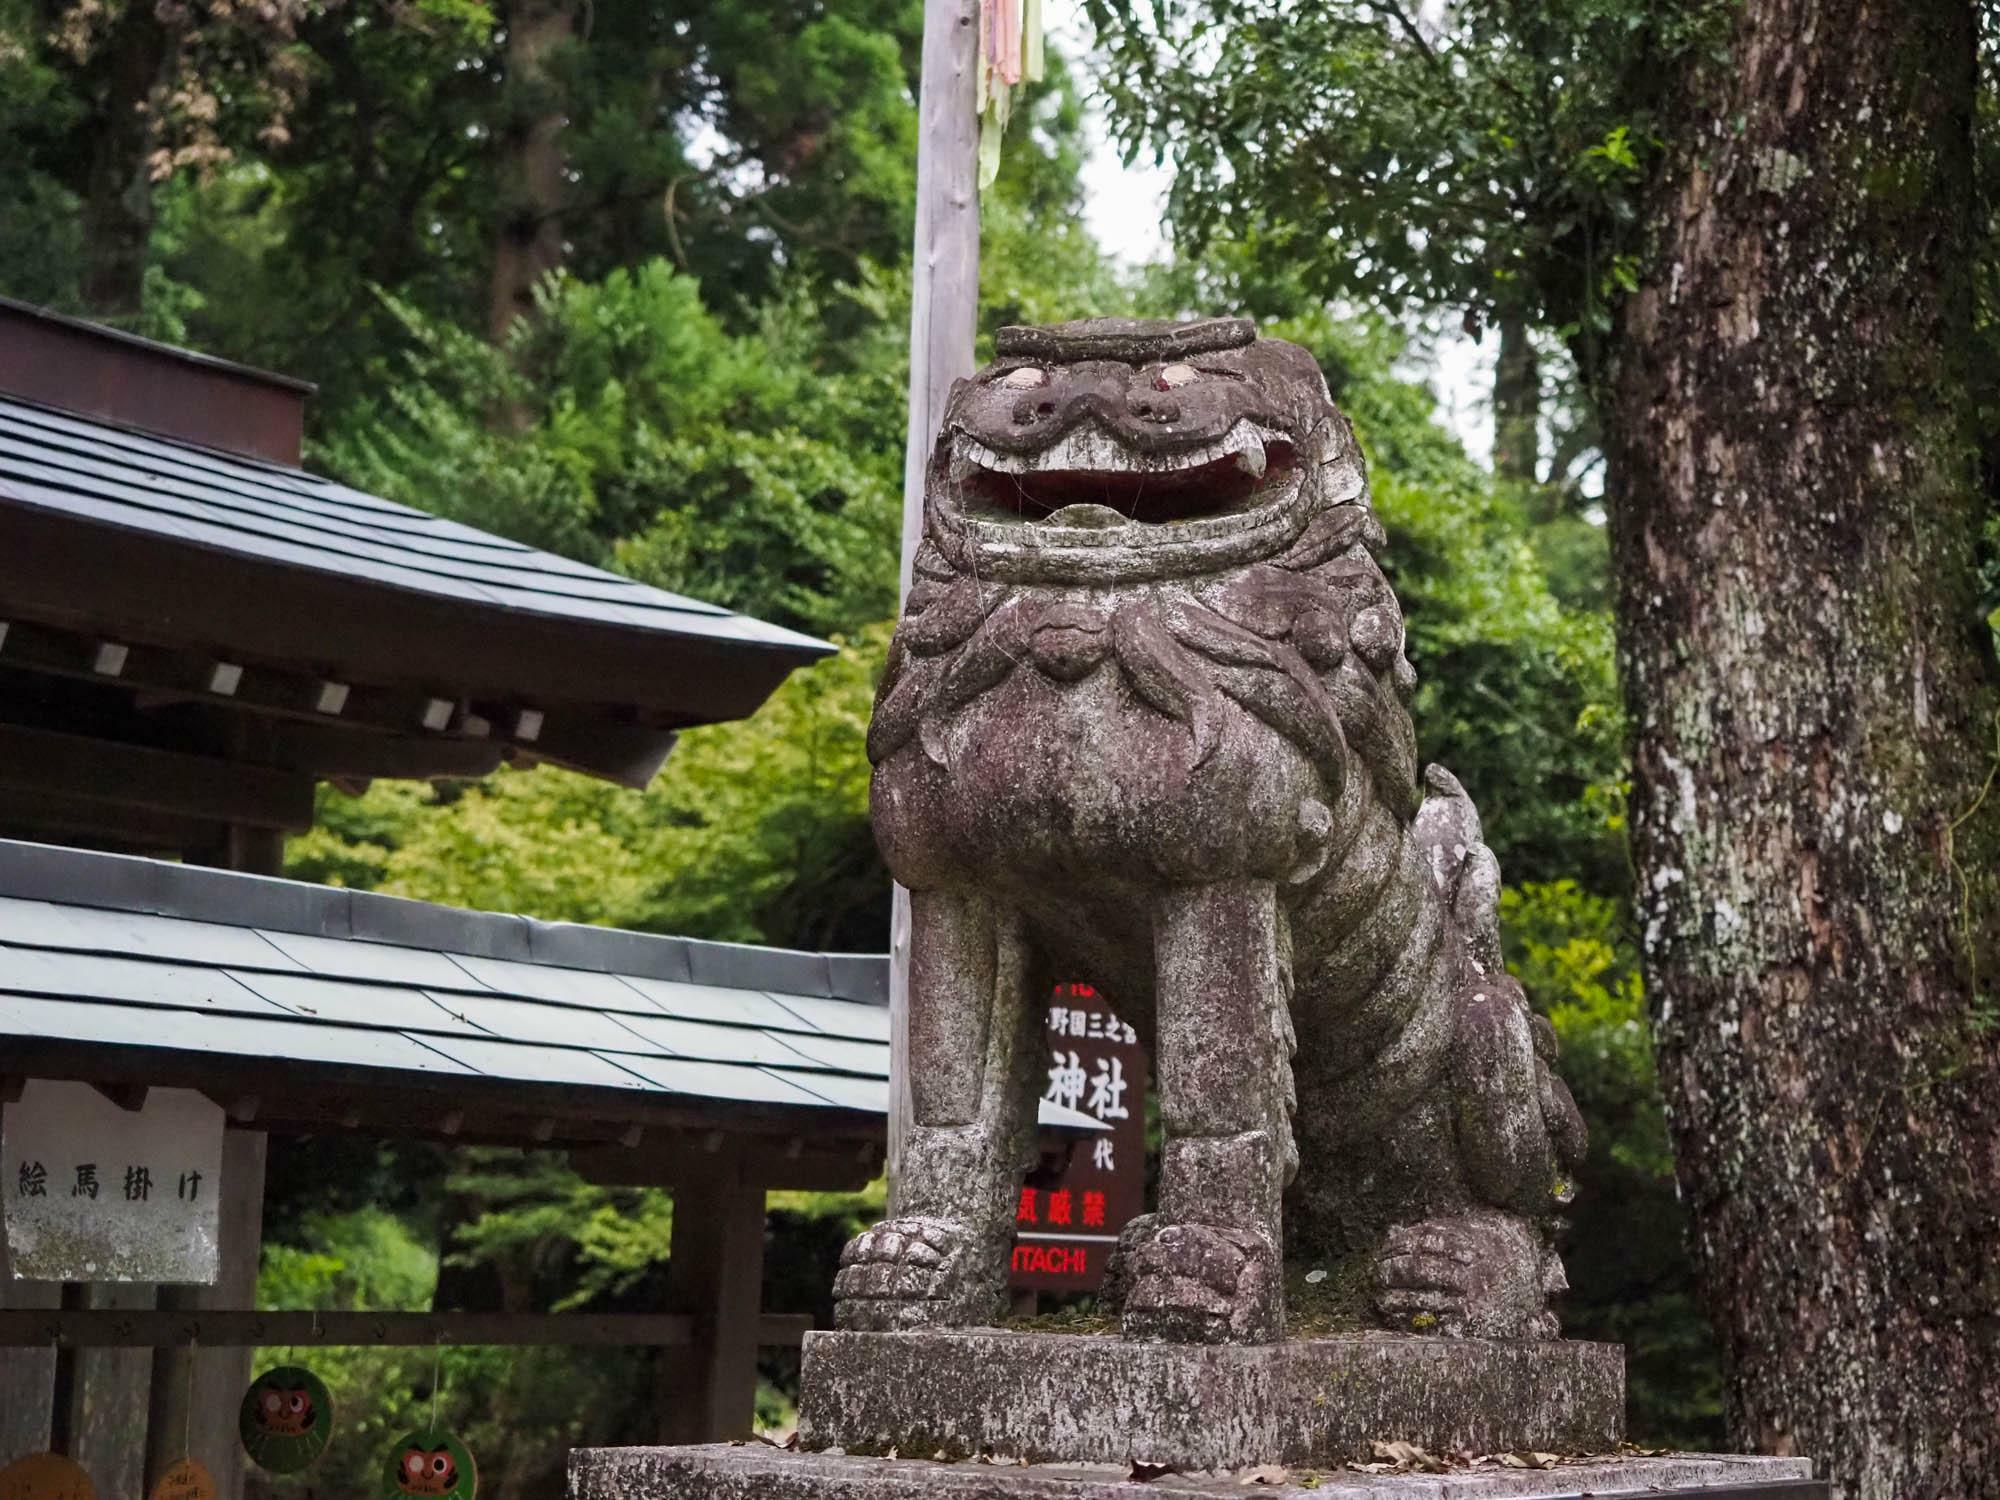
point(715, 1278)
point(194, 1393)
point(944, 306)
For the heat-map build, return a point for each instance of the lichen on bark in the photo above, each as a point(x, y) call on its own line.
point(1812, 698)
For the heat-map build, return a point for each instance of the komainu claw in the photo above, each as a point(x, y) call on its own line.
point(913, 1273)
point(1199, 1284)
point(1480, 1273)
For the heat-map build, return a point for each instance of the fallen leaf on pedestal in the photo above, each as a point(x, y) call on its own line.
point(1264, 1474)
point(1407, 1456)
point(1530, 1460)
point(1143, 1471)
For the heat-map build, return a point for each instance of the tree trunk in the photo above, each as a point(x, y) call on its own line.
point(1517, 404)
point(1813, 710)
point(118, 193)
point(533, 165)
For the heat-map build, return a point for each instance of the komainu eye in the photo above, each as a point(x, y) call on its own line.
point(1026, 378)
point(1173, 377)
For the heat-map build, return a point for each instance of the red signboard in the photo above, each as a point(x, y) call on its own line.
point(1085, 1189)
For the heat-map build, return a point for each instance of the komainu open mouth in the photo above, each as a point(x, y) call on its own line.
point(1089, 478)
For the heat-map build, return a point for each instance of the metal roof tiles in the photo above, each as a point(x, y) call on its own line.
point(108, 475)
point(138, 953)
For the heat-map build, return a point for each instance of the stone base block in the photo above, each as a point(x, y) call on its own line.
point(1065, 1398)
point(757, 1472)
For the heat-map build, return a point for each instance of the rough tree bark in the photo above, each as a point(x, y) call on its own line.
point(118, 192)
point(532, 164)
point(1517, 404)
point(1813, 710)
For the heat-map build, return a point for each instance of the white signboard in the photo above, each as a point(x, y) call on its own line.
point(94, 1192)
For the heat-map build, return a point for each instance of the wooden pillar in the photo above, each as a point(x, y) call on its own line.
point(715, 1274)
point(198, 1415)
point(193, 1395)
point(27, 1376)
point(109, 1426)
point(944, 315)
point(67, 1389)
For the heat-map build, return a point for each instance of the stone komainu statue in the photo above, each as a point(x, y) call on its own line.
point(1144, 724)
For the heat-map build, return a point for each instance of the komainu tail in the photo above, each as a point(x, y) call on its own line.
point(1519, 1131)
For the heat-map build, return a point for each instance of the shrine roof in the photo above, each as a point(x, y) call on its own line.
point(310, 1006)
point(108, 475)
point(269, 562)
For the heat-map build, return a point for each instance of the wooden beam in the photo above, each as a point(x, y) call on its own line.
point(330, 753)
point(206, 1328)
point(127, 1096)
point(155, 781)
point(944, 314)
point(628, 754)
point(837, 1167)
point(303, 1095)
point(381, 731)
point(52, 818)
point(201, 1328)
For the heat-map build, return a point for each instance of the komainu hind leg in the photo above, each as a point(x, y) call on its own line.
point(1207, 1267)
point(1487, 1268)
point(940, 1260)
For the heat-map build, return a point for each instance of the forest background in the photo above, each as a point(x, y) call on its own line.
point(630, 281)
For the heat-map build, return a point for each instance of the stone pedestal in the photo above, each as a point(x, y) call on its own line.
point(984, 1415)
point(1097, 1399)
point(754, 1471)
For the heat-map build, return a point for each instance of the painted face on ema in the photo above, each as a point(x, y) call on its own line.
point(427, 1472)
point(289, 1412)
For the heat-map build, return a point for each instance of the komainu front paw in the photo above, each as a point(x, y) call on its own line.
point(1481, 1273)
point(914, 1273)
point(1198, 1284)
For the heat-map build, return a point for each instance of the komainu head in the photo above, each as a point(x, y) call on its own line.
point(1120, 451)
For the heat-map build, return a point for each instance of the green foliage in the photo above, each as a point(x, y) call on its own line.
point(41, 239)
point(1630, 1279)
point(625, 425)
point(1517, 691)
point(366, 1258)
point(1484, 157)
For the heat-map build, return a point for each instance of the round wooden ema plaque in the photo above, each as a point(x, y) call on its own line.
point(45, 1476)
point(286, 1420)
point(186, 1480)
point(431, 1463)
